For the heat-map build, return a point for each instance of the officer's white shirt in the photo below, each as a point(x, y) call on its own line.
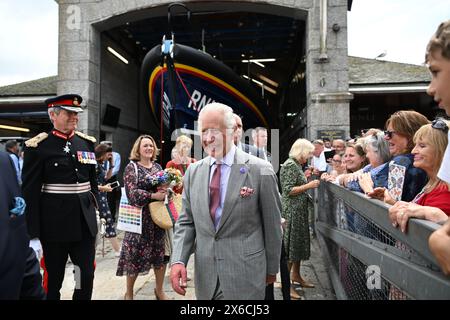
point(319, 162)
point(444, 171)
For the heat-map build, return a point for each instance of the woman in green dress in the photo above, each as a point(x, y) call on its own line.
point(296, 206)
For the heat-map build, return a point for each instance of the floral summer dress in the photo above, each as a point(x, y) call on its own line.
point(295, 209)
point(141, 252)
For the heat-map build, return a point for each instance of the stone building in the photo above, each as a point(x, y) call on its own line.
point(308, 37)
point(306, 88)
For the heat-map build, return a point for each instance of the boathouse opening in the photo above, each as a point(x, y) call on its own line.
point(264, 44)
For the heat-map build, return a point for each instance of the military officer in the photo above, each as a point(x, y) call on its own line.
point(61, 192)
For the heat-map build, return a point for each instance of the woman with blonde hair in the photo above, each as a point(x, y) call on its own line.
point(141, 252)
point(296, 206)
point(433, 202)
point(182, 154)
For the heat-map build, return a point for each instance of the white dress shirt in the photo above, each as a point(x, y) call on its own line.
point(444, 171)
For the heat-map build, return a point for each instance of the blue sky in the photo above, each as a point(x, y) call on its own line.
point(401, 28)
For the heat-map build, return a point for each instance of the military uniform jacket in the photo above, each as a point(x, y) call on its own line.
point(60, 161)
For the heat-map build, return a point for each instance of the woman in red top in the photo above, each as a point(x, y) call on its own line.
point(181, 156)
point(433, 202)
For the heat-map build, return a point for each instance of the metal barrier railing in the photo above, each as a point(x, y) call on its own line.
point(368, 258)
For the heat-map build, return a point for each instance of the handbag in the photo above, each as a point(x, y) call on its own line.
point(165, 213)
point(130, 217)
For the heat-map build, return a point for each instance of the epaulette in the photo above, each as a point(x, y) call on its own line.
point(85, 136)
point(33, 142)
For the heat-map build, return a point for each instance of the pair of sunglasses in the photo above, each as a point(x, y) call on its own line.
point(440, 124)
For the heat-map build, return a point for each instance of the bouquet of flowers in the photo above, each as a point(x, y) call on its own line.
point(165, 213)
point(169, 177)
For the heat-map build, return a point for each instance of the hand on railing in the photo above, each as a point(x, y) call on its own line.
point(398, 214)
point(402, 211)
point(346, 178)
point(327, 177)
point(377, 193)
point(381, 194)
point(365, 182)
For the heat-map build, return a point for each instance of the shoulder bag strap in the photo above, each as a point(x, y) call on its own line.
point(136, 171)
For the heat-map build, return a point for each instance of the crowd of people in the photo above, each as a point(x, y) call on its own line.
point(255, 224)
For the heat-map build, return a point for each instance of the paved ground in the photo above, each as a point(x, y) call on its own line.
point(107, 286)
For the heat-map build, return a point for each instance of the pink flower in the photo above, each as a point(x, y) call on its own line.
point(246, 192)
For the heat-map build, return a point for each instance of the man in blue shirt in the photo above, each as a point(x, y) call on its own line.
point(12, 147)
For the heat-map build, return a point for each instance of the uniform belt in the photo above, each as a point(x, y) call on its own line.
point(66, 188)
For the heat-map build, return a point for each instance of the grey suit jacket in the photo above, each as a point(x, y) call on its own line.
point(247, 244)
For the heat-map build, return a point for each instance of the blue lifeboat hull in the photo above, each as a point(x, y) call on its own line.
point(198, 80)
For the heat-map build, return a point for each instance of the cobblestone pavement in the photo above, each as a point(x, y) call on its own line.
point(108, 286)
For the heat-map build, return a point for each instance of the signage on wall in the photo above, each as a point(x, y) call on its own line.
point(331, 134)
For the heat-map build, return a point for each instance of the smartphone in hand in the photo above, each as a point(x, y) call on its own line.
point(114, 184)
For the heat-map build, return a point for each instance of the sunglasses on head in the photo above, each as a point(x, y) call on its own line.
point(440, 124)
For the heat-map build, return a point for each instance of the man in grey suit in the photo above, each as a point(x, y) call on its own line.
point(230, 217)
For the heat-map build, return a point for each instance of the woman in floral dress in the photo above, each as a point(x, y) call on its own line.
point(141, 252)
point(295, 209)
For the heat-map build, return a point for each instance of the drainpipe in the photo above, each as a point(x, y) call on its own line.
point(323, 57)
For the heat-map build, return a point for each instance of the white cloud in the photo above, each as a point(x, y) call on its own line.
point(402, 28)
point(29, 40)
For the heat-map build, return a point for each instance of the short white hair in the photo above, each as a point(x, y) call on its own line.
point(301, 149)
point(228, 115)
point(53, 109)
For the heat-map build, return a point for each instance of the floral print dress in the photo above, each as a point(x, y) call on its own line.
point(104, 212)
point(295, 209)
point(141, 252)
